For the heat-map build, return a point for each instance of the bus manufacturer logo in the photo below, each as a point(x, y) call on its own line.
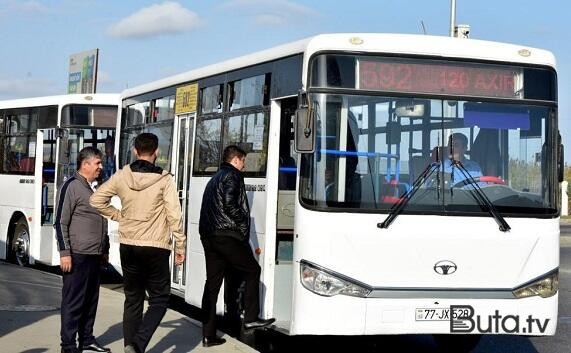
point(445, 267)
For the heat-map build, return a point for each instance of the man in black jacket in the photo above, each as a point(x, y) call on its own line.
point(224, 229)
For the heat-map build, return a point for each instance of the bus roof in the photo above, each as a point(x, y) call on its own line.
point(406, 44)
point(64, 99)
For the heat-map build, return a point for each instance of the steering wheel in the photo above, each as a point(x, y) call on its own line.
point(480, 179)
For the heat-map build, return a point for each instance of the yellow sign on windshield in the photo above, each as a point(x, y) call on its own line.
point(186, 98)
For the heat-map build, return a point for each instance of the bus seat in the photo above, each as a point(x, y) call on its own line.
point(27, 164)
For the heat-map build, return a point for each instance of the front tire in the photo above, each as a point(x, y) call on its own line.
point(20, 243)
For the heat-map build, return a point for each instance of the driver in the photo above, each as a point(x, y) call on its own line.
point(457, 146)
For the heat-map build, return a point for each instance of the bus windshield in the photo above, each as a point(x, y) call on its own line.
point(371, 149)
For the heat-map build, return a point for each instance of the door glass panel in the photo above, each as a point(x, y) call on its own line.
point(181, 155)
point(164, 132)
point(182, 168)
point(71, 144)
point(48, 176)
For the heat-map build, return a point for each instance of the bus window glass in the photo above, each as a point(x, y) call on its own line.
point(138, 113)
point(164, 133)
point(48, 117)
point(84, 115)
point(527, 154)
point(49, 148)
point(104, 116)
point(250, 132)
point(207, 148)
point(103, 140)
point(19, 155)
point(163, 109)
point(211, 101)
point(126, 155)
point(48, 175)
point(248, 92)
point(23, 120)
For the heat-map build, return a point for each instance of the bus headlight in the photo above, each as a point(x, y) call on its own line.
point(544, 287)
point(327, 283)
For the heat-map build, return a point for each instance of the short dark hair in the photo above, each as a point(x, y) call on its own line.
point(146, 143)
point(88, 153)
point(232, 151)
point(458, 136)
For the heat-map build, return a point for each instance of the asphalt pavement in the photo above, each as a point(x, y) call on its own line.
point(30, 318)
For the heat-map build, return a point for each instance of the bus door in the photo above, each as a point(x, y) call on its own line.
point(184, 127)
point(285, 207)
point(44, 188)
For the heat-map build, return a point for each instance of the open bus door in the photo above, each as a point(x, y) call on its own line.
point(42, 247)
point(184, 128)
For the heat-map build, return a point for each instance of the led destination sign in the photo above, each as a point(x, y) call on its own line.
point(429, 78)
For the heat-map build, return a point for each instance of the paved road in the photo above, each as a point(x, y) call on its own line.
point(30, 320)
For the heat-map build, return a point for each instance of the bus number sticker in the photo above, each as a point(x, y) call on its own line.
point(186, 98)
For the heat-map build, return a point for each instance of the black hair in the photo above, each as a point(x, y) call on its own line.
point(87, 153)
point(146, 143)
point(232, 151)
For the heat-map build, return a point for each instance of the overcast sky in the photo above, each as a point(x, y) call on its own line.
point(141, 41)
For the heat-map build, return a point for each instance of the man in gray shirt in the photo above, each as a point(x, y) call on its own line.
point(83, 244)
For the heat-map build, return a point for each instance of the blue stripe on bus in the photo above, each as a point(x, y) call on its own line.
point(288, 169)
point(57, 222)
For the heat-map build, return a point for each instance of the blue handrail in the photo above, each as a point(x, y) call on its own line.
point(358, 154)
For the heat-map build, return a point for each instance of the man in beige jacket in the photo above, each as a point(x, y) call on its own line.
point(150, 213)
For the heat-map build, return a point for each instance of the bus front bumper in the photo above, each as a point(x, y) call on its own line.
point(345, 315)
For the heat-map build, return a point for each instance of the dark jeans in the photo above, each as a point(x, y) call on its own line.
point(80, 294)
point(225, 254)
point(144, 268)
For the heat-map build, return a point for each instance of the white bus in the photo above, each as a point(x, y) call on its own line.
point(370, 227)
point(39, 142)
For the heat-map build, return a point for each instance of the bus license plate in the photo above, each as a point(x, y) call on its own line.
point(436, 314)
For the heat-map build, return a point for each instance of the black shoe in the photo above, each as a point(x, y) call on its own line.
point(95, 347)
point(212, 341)
point(70, 350)
point(258, 323)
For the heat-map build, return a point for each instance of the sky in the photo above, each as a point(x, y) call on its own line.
point(142, 41)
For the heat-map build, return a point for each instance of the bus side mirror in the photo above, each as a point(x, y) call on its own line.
point(304, 131)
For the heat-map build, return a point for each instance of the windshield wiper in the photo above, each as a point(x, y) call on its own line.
point(480, 196)
point(403, 201)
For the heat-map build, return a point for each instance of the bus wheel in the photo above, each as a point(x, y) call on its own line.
point(457, 343)
point(21, 243)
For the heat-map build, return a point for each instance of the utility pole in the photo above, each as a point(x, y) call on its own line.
point(452, 18)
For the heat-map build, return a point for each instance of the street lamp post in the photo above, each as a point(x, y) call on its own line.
point(452, 17)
